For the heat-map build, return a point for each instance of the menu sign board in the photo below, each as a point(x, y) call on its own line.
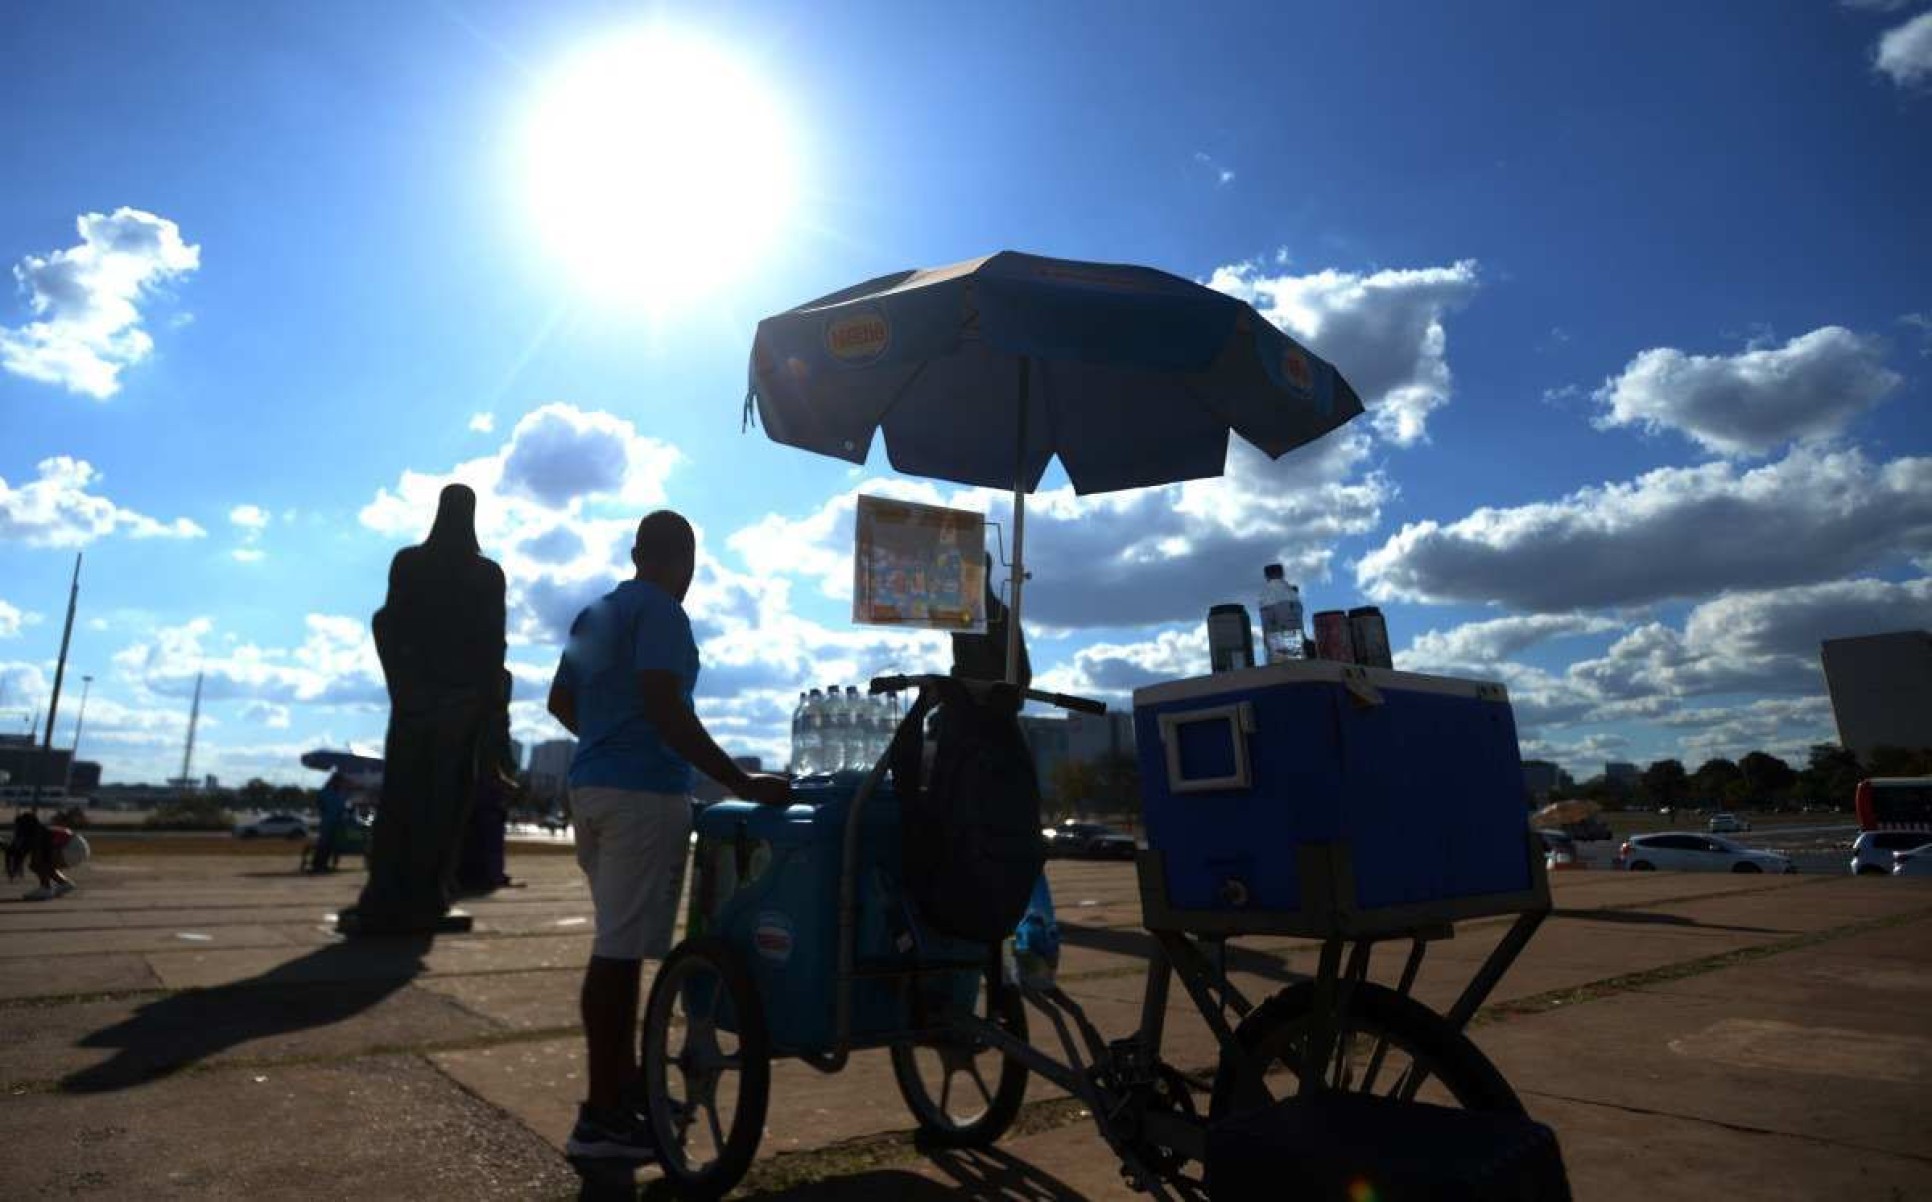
point(919, 566)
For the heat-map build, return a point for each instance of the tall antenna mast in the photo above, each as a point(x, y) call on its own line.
point(188, 752)
point(60, 674)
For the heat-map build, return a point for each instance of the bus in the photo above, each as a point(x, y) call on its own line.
point(1895, 803)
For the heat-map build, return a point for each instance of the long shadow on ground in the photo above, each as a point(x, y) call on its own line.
point(1139, 944)
point(1655, 918)
point(175, 1032)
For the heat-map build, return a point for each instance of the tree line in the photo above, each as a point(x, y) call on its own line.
point(1829, 777)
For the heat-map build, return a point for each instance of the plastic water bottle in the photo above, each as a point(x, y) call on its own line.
point(811, 755)
point(1281, 617)
point(799, 767)
point(858, 731)
point(835, 720)
point(1036, 944)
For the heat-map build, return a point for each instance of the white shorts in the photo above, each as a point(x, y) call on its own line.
point(633, 846)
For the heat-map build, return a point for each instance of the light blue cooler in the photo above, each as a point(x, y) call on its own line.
point(766, 880)
point(1331, 800)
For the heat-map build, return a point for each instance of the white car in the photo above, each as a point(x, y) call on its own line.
point(1688, 852)
point(1917, 862)
point(1726, 824)
point(275, 826)
point(1872, 850)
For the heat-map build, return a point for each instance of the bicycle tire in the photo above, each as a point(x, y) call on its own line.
point(936, 1126)
point(736, 1150)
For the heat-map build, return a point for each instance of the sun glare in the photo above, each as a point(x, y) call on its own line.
point(658, 169)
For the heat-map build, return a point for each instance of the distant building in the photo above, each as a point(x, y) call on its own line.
point(1881, 690)
point(26, 765)
point(516, 754)
point(84, 776)
point(1621, 774)
point(1080, 738)
point(1048, 739)
point(550, 767)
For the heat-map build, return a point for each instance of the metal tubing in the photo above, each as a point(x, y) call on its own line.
point(1153, 1004)
point(848, 923)
point(1013, 641)
point(1494, 966)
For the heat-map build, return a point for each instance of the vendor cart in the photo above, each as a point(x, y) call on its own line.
point(1263, 792)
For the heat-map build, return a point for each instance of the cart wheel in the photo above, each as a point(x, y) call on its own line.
point(707, 1068)
point(1389, 1044)
point(945, 1081)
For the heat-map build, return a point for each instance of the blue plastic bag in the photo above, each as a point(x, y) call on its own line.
point(1036, 942)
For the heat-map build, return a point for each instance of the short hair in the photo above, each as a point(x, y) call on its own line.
point(665, 537)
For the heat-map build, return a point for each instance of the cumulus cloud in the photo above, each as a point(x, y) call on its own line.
point(12, 619)
point(1905, 52)
point(1384, 330)
point(266, 713)
point(1754, 402)
point(1674, 532)
point(249, 517)
point(56, 509)
point(1128, 558)
point(483, 423)
point(86, 301)
point(335, 664)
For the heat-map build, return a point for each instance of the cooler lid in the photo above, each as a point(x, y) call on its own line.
point(1315, 671)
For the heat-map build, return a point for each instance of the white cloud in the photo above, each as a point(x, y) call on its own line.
point(1384, 330)
point(1674, 532)
point(12, 619)
point(483, 423)
point(1129, 558)
point(335, 664)
point(1905, 52)
point(1222, 175)
point(249, 554)
point(249, 517)
point(1476, 643)
point(86, 301)
point(1754, 402)
point(267, 713)
point(57, 510)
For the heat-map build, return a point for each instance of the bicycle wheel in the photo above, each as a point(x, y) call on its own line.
point(1388, 1043)
point(707, 1095)
point(944, 1080)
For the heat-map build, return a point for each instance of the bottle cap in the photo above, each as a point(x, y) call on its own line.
point(1272, 572)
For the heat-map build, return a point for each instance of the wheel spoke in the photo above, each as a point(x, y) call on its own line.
point(945, 1087)
point(717, 1128)
point(973, 1068)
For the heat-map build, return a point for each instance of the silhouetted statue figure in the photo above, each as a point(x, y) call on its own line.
point(440, 637)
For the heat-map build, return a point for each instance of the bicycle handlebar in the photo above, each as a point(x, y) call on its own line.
point(899, 684)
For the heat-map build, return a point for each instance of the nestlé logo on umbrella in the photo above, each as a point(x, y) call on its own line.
point(1294, 369)
point(858, 337)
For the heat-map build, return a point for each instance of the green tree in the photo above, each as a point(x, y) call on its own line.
point(1831, 776)
point(1766, 777)
point(257, 794)
point(1073, 787)
point(1901, 761)
point(1713, 779)
point(1665, 782)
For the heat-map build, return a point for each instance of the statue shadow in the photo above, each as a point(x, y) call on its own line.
point(326, 986)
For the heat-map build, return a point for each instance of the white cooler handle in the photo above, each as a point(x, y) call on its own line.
point(1240, 719)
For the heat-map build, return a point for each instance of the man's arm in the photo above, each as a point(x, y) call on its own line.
point(563, 700)
point(681, 731)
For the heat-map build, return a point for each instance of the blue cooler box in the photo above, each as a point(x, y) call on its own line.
point(1326, 799)
point(766, 880)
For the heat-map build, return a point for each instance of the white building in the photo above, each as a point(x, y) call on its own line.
point(550, 767)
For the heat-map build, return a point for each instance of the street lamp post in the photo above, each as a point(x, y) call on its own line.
point(80, 719)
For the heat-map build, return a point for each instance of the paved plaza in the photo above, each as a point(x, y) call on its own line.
point(188, 1025)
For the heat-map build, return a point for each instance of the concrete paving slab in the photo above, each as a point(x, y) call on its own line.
point(100, 973)
point(542, 1000)
point(109, 1045)
point(41, 945)
point(384, 1127)
point(458, 954)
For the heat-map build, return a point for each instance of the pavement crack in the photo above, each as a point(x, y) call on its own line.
point(1741, 1128)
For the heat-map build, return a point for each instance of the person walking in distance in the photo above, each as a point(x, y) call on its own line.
point(440, 637)
point(624, 688)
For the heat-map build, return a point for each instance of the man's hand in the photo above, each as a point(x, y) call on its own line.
point(766, 789)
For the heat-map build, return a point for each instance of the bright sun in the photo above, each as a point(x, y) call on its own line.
point(657, 169)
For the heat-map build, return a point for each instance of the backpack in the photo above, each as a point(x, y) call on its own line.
point(970, 835)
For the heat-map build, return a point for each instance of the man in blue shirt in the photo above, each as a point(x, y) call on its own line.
point(624, 689)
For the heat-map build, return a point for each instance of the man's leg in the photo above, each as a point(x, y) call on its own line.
point(609, 1004)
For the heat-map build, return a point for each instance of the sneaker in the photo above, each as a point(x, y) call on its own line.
point(41, 894)
point(602, 1135)
point(63, 888)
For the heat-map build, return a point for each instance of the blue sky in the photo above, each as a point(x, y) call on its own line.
point(1638, 299)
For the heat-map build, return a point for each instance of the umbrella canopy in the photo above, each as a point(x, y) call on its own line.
point(364, 771)
point(1561, 812)
point(983, 372)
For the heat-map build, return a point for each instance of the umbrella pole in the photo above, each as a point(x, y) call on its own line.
point(1019, 532)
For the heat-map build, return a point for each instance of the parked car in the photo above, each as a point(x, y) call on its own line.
point(1726, 824)
point(1089, 841)
point(1917, 862)
point(1687, 852)
point(1872, 850)
point(1589, 830)
point(1559, 848)
point(274, 826)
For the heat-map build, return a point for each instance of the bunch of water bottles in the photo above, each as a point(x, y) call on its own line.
point(835, 731)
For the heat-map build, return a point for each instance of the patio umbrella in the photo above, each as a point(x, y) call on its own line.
point(982, 372)
point(1561, 812)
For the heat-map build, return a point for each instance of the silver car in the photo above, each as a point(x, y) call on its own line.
point(1872, 850)
point(1688, 852)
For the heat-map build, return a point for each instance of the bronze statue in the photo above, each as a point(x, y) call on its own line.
point(440, 637)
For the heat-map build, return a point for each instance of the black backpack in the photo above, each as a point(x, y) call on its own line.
point(971, 833)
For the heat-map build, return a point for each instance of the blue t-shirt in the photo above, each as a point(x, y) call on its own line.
point(634, 628)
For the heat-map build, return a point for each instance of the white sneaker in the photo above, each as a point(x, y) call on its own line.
point(41, 894)
point(63, 888)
